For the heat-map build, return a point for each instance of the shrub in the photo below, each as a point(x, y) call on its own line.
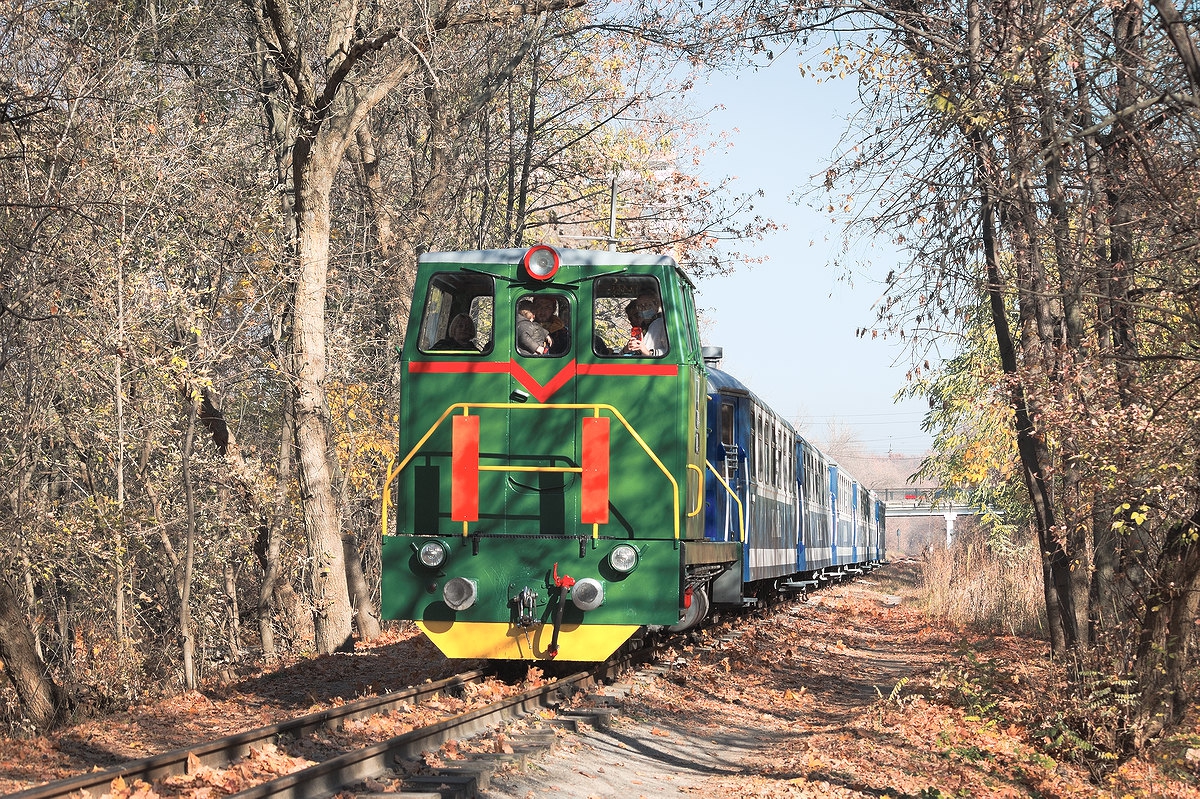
point(992, 586)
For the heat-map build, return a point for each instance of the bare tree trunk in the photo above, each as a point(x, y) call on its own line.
point(381, 212)
point(1185, 48)
point(267, 544)
point(1067, 358)
point(41, 699)
point(485, 182)
point(1056, 567)
point(1168, 629)
point(231, 607)
point(510, 207)
point(65, 629)
point(365, 613)
point(183, 573)
point(269, 560)
point(527, 154)
point(328, 117)
point(1110, 163)
point(327, 577)
point(276, 594)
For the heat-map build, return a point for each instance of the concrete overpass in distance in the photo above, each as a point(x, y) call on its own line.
point(909, 502)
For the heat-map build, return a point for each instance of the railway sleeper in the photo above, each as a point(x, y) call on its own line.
point(440, 785)
point(466, 777)
point(581, 720)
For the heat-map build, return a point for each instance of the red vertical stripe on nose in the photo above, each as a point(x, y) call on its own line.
point(464, 470)
point(594, 503)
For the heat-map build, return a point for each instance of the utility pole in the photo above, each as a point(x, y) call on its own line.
point(612, 214)
point(612, 219)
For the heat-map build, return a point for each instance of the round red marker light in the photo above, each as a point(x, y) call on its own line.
point(541, 262)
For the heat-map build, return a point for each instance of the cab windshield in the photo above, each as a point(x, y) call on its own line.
point(628, 319)
point(543, 325)
point(458, 315)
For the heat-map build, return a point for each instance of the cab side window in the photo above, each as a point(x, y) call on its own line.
point(457, 318)
point(628, 319)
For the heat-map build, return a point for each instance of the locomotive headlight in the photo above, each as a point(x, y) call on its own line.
point(433, 554)
point(623, 558)
point(460, 593)
point(587, 594)
point(541, 262)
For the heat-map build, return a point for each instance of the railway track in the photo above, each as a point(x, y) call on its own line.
point(221, 752)
point(339, 773)
point(333, 774)
point(336, 773)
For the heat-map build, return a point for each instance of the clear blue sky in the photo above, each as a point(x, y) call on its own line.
point(788, 326)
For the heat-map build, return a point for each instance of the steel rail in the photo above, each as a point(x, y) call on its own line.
point(224, 751)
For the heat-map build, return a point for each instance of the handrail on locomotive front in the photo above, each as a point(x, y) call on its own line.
point(595, 407)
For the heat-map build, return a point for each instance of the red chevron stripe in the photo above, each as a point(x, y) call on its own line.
point(542, 392)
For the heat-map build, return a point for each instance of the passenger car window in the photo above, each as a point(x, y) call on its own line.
point(458, 315)
point(628, 319)
point(727, 441)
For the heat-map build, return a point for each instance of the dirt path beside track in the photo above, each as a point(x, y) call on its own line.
point(732, 706)
point(854, 693)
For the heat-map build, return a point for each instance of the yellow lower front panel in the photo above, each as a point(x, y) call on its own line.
point(500, 641)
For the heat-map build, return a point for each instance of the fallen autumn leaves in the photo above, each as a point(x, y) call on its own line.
point(845, 695)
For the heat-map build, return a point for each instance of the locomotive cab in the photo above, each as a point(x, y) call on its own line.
point(546, 499)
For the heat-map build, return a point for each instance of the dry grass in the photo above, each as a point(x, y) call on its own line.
point(974, 584)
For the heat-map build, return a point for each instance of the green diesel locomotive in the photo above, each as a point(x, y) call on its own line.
point(547, 498)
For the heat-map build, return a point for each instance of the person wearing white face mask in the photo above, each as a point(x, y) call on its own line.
point(645, 313)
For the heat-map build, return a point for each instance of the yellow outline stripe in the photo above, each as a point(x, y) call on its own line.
point(595, 407)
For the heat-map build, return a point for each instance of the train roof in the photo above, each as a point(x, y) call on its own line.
point(600, 259)
point(722, 381)
point(566, 257)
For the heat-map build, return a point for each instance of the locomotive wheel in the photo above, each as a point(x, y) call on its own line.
point(694, 614)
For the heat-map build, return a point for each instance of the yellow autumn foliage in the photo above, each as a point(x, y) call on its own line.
point(364, 427)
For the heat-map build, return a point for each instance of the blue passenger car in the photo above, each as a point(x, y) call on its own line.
point(817, 509)
point(801, 517)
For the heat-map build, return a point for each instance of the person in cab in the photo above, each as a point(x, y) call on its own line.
point(460, 335)
point(532, 338)
point(646, 317)
point(546, 313)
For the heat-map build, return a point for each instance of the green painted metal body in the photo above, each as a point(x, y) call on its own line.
point(531, 412)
